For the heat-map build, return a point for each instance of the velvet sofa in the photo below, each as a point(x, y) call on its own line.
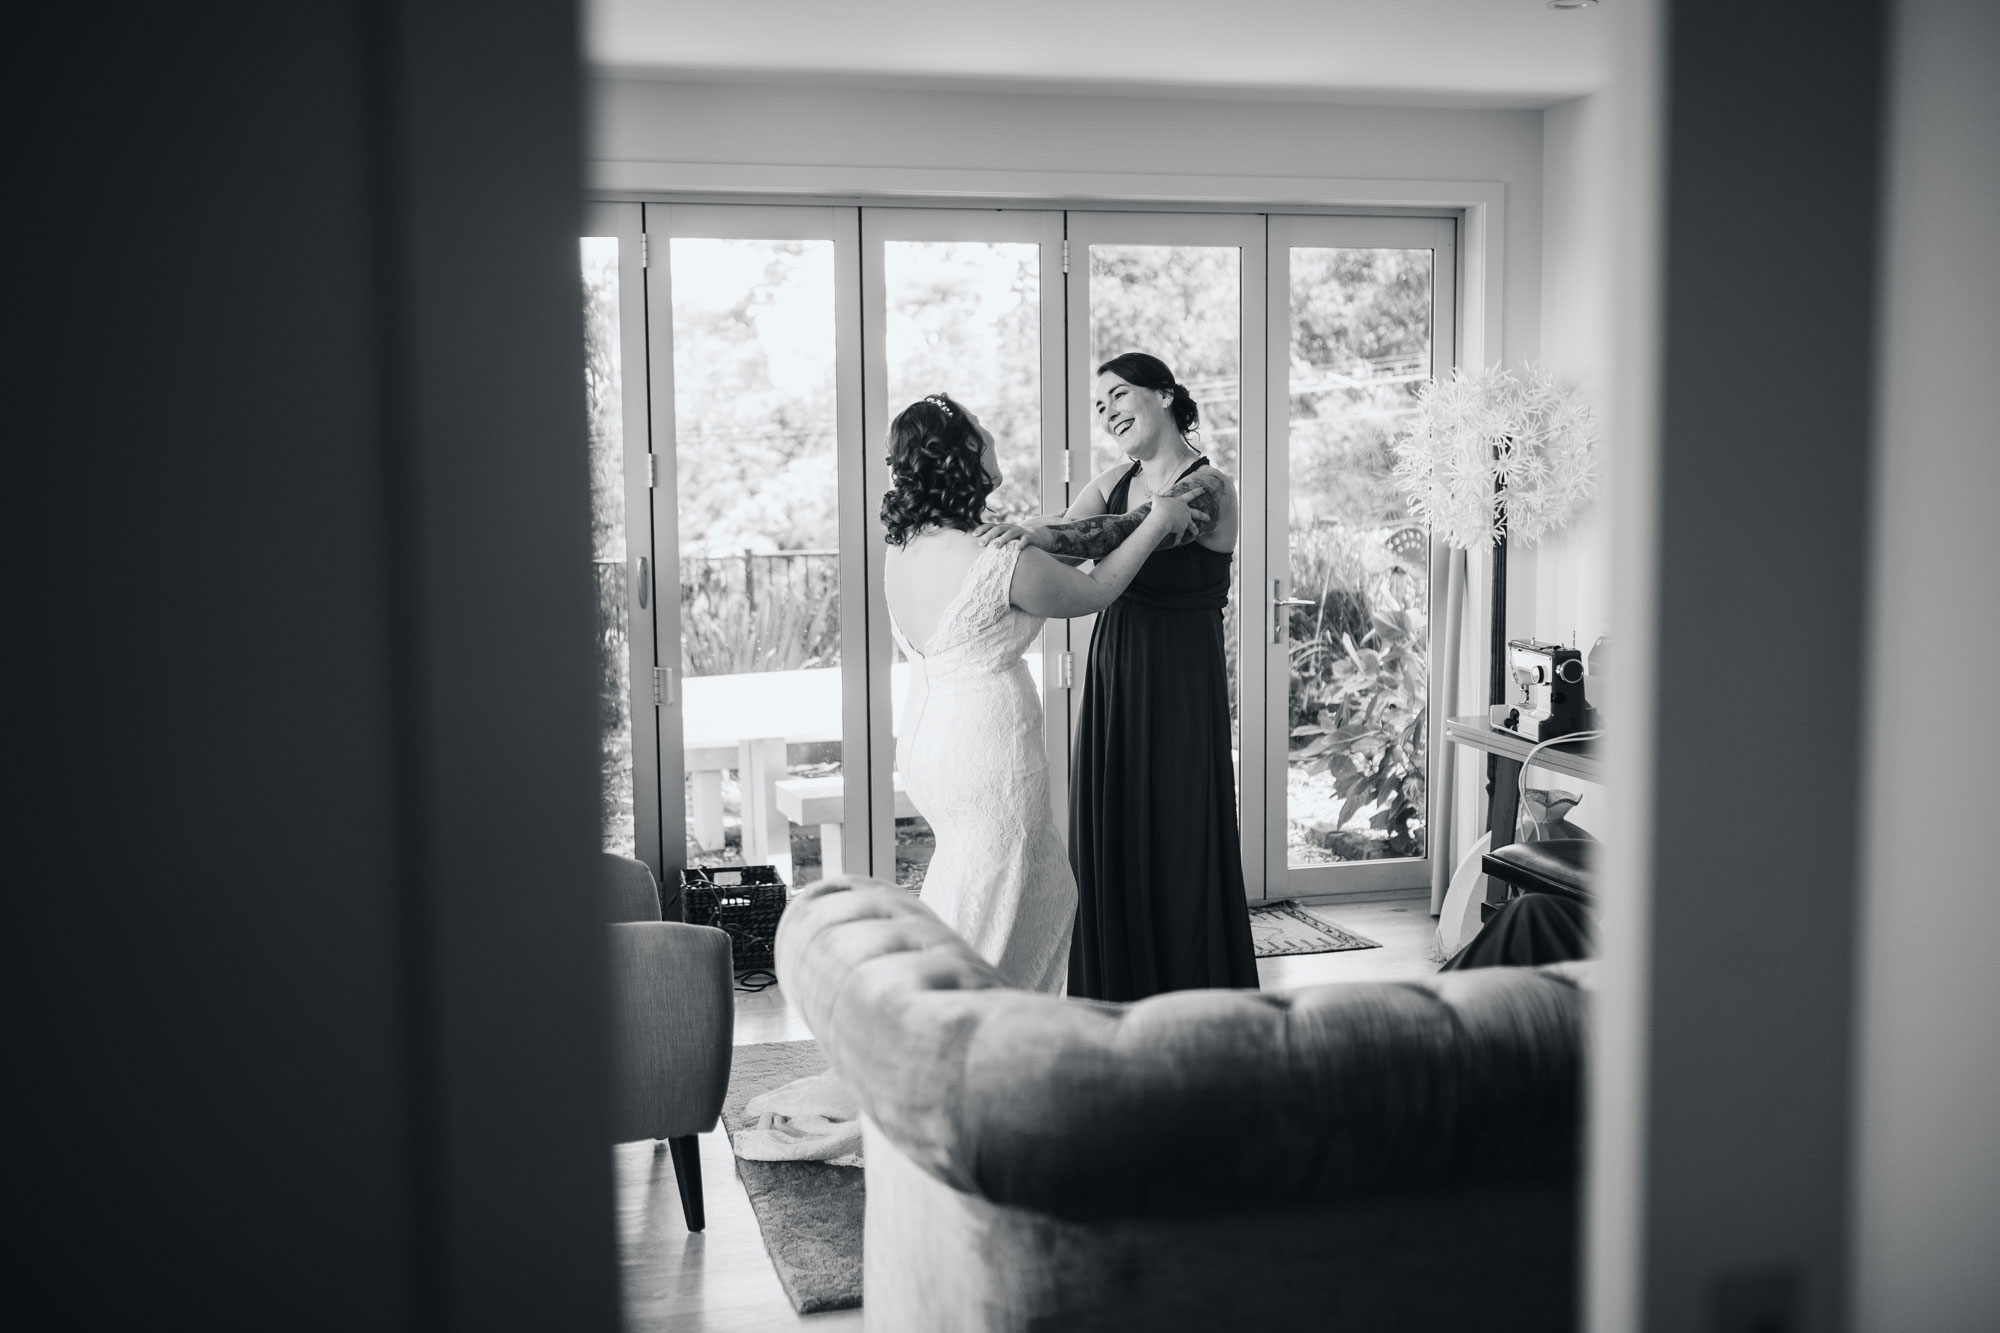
point(1353, 1156)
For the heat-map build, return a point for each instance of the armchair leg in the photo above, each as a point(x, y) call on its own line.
point(686, 1151)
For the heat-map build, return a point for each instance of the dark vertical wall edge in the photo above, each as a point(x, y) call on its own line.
point(387, 204)
point(303, 755)
point(503, 672)
point(1772, 171)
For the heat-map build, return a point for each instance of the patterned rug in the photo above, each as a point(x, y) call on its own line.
point(1287, 928)
point(810, 1213)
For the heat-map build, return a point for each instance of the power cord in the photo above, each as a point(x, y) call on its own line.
point(1541, 829)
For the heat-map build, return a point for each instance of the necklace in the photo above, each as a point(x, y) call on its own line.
point(1183, 456)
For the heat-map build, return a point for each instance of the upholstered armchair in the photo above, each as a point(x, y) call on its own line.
point(1366, 1155)
point(673, 1013)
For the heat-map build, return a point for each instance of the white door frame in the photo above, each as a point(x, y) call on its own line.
point(766, 222)
point(1354, 879)
point(1463, 310)
point(880, 225)
point(1246, 233)
point(626, 222)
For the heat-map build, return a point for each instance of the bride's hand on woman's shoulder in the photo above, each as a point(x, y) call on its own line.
point(1010, 534)
point(1172, 515)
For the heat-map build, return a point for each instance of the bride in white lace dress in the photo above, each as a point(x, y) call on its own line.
point(971, 750)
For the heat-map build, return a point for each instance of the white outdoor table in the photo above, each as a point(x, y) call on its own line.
point(744, 722)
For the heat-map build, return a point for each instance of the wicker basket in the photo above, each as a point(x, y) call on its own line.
point(744, 901)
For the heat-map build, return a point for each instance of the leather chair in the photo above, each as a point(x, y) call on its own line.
point(673, 1017)
point(1562, 866)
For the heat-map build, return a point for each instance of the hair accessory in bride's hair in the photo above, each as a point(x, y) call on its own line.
point(942, 403)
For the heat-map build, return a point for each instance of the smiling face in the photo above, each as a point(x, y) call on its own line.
point(1135, 417)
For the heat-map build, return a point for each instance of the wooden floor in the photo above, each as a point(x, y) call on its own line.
point(721, 1279)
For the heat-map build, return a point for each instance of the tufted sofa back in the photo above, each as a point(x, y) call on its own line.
point(1185, 1103)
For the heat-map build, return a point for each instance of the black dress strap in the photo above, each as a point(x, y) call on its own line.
point(1114, 503)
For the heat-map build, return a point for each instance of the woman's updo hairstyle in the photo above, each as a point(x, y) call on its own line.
point(938, 466)
point(1149, 372)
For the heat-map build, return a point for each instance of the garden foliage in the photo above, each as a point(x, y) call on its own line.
point(1360, 685)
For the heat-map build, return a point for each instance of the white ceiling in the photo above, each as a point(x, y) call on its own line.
point(1431, 52)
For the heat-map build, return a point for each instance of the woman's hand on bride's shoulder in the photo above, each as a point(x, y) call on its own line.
point(1009, 534)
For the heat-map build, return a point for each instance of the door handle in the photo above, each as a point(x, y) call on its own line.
point(1278, 601)
point(645, 582)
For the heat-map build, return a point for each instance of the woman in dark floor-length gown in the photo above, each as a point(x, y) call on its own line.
point(1153, 835)
point(1153, 798)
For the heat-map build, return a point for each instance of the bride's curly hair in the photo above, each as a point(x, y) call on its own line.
point(936, 461)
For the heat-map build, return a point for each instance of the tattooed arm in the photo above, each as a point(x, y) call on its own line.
point(1088, 504)
point(1095, 538)
point(1044, 587)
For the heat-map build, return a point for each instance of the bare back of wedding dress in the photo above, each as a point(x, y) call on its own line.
point(972, 758)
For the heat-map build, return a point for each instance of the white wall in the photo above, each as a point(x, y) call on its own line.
point(1579, 251)
point(1927, 1142)
point(1560, 590)
point(638, 121)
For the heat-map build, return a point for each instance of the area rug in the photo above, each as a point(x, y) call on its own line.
point(1286, 928)
point(810, 1213)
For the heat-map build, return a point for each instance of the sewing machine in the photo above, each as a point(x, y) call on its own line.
point(1548, 699)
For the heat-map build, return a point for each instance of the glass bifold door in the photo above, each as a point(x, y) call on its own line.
point(744, 363)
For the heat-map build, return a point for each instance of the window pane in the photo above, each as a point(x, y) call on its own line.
point(1360, 348)
point(602, 380)
point(1184, 305)
point(754, 439)
point(964, 318)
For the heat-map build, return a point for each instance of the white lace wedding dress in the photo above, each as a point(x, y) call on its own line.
point(972, 759)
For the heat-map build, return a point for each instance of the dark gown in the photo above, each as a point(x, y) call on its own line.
point(1531, 930)
point(1152, 814)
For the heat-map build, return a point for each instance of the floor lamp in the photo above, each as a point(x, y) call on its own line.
point(1472, 434)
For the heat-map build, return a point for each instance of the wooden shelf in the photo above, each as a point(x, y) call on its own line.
point(1581, 759)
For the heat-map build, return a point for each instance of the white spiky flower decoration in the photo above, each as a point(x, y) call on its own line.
point(1482, 437)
